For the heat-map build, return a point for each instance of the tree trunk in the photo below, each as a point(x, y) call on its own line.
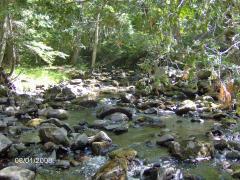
point(95, 45)
point(4, 40)
point(13, 54)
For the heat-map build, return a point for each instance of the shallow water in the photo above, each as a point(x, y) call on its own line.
point(137, 138)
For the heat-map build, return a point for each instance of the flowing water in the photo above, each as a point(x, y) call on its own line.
point(142, 140)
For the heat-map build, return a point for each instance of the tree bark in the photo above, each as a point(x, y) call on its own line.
point(95, 45)
point(4, 40)
point(13, 54)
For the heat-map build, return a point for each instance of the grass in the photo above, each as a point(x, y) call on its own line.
point(42, 74)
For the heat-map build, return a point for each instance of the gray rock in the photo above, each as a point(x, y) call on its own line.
point(30, 137)
point(16, 173)
point(57, 113)
point(117, 117)
point(80, 141)
point(59, 123)
point(5, 143)
point(165, 138)
point(233, 155)
point(63, 164)
point(100, 148)
point(54, 134)
point(185, 107)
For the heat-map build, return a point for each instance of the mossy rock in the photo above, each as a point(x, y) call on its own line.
point(34, 122)
point(113, 169)
point(125, 153)
point(236, 171)
point(229, 121)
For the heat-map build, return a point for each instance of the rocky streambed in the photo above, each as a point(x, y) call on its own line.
point(105, 127)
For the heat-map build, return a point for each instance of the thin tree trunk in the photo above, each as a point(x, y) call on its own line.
point(95, 45)
point(4, 40)
point(13, 57)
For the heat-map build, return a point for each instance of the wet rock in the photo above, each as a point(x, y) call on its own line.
point(151, 111)
point(185, 107)
point(3, 100)
point(117, 117)
point(236, 171)
point(59, 124)
point(3, 91)
point(233, 155)
point(60, 93)
point(234, 145)
point(191, 150)
point(106, 111)
point(100, 148)
point(12, 152)
point(113, 169)
point(165, 138)
point(100, 136)
point(125, 153)
point(150, 121)
point(63, 164)
point(117, 128)
point(50, 146)
point(16, 173)
point(127, 98)
point(198, 120)
point(54, 134)
point(5, 143)
point(34, 122)
point(57, 113)
point(30, 137)
point(151, 173)
point(10, 111)
point(75, 81)
point(221, 144)
point(80, 141)
point(229, 121)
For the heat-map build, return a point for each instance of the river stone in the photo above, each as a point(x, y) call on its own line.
point(31, 137)
point(221, 144)
point(100, 148)
point(80, 141)
point(127, 98)
point(185, 107)
point(152, 110)
point(233, 155)
point(54, 134)
point(118, 128)
point(5, 143)
point(108, 110)
point(165, 138)
point(151, 173)
point(117, 117)
point(124, 153)
point(145, 120)
point(75, 81)
point(3, 100)
point(16, 173)
point(57, 113)
point(34, 122)
point(10, 111)
point(100, 136)
point(3, 91)
point(59, 124)
point(113, 169)
point(63, 164)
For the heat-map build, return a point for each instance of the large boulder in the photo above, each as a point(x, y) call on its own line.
point(5, 143)
point(54, 134)
point(16, 173)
